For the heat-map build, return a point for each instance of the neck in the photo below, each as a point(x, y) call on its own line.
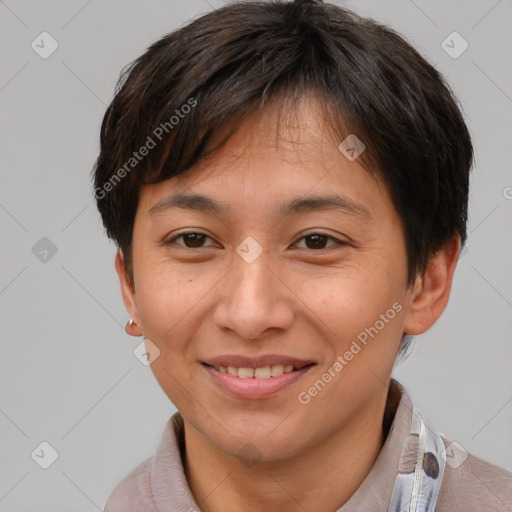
point(319, 479)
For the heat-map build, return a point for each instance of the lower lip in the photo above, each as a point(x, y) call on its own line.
point(252, 388)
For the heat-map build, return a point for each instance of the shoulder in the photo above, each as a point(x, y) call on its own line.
point(158, 483)
point(133, 492)
point(472, 484)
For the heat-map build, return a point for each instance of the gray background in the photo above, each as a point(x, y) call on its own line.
point(68, 375)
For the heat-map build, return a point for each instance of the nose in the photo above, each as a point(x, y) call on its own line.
point(255, 301)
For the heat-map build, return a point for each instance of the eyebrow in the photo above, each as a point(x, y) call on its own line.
point(299, 204)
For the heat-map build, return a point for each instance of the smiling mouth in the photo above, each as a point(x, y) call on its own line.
point(263, 372)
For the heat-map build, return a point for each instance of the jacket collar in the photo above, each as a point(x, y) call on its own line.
point(172, 494)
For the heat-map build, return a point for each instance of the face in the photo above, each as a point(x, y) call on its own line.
point(266, 274)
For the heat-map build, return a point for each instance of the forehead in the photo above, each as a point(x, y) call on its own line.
point(272, 159)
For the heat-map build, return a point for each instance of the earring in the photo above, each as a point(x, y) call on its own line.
point(131, 328)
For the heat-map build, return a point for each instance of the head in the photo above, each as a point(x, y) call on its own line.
point(332, 161)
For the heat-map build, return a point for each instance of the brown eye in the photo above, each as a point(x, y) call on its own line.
point(318, 241)
point(194, 239)
point(191, 240)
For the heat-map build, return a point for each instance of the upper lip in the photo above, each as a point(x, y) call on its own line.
point(240, 361)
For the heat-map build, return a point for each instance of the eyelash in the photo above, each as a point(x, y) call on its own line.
point(172, 240)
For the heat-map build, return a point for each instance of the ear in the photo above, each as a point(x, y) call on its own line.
point(128, 293)
point(430, 293)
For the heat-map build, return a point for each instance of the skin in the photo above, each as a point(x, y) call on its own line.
point(199, 299)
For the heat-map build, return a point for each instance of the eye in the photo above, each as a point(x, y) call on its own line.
point(195, 240)
point(318, 240)
point(191, 239)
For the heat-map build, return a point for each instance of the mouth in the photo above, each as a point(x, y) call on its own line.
point(251, 379)
point(261, 372)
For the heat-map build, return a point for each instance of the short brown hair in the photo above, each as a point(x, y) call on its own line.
point(248, 55)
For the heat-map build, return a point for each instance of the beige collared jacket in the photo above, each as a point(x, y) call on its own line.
point(468, 484)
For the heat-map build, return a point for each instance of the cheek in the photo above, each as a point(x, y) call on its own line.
point(167, 307)
point(363, 321)
point(173, 303)
point(364, 317)
point(347, 304)
point(167, 292)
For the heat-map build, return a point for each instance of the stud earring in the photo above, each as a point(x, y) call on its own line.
point(131, 328)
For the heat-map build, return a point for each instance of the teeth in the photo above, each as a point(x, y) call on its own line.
point(246, 373)
point(276, 370)
point(264, 372)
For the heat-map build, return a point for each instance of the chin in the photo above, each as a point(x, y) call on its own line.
point(262, 444)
